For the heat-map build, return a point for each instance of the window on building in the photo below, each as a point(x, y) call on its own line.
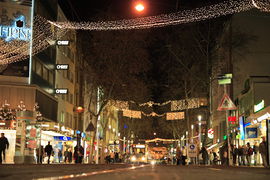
point(34, 65)
point(62, 117)
point(45, 73)
point(38, 68)
point(71, 98)
point(67, 119)
point(71, 120)
point(51, 79)
point(71, 76)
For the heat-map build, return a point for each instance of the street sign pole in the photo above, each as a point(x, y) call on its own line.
point(228, 132)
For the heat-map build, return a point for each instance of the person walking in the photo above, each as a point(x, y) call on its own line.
point(48, 151)
point(178, 156)
point(184, 155)
point(234, 154)
point(204, 155)
point(66, 156)
point(70, 156)
point(112, 157)
point(256, 152)
point(249, 154)
point(263, 151)
point(60, 155)
point(3, 146)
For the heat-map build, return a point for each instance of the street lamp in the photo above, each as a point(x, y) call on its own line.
point(155, 133)
point(192, 127)
point(200, 133)
point(139, 7)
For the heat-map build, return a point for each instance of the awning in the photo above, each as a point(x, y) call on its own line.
point(258, 114)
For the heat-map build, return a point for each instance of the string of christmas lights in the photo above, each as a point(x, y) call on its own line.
point(186, 16)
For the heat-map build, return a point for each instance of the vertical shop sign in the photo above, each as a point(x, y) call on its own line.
point(242, 130)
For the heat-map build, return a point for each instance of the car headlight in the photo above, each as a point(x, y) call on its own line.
point(153, 162)
point(133, 158)
point(143, 158)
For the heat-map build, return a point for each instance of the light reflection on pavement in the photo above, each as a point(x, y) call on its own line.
point(71, 176)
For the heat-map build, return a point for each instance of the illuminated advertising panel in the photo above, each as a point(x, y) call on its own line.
point(15, 37)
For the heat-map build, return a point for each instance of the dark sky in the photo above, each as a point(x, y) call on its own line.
point(85, 10)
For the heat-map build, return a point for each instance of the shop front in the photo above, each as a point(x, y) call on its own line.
point(8, 128)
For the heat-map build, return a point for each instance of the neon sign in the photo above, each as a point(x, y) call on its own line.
point(16, 31)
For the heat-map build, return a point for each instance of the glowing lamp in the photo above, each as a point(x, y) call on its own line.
point(79, 109)
point(139, 7)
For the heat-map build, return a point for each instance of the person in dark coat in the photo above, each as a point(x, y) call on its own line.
point(78, 154)
point(3, 146)
point(204, 155)
point(234, 154)
point(48, 151)
point(70, 156)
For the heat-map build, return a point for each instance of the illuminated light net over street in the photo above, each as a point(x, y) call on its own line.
point(46, 32)
point(181, 17)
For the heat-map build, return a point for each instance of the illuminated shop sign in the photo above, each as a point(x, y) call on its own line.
point(242, 129)
point(259, 106)
point(62, 66)
point(62, 138)
point(251, 133)
point(61, 91)
point(16, 31)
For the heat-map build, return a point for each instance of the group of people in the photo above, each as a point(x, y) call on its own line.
point(181, 156)
point(112, 157)
point(48, 152)
point(243, 154)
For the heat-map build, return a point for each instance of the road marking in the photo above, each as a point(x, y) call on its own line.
point(215, 169)
point(71, 176)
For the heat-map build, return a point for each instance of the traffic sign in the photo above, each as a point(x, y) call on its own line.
point(226, 104)
point(192, 150)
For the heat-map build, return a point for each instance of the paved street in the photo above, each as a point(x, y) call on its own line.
point(127, 172)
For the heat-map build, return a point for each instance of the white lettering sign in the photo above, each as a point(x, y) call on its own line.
point(61, 91)
point(62, 43)
point(62, 66)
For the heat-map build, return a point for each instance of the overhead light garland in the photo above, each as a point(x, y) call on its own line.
point(182, 17)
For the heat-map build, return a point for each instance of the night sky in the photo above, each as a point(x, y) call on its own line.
point(83, 10)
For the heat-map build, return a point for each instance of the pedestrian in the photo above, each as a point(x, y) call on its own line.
point(70, 156)
point(66, 155)
point(256, 152)
point(116, 156)
point(263, 151)
point(48, 151)
point(249, 154)
point(211, 157)
point(178, 155)
point(112, 157)
point(234, 154)
point(184, 155)
point(241, 156)
point(204, 155)
point(4, 145)
point(215, 158)
point(60, 155)
point(39, 154)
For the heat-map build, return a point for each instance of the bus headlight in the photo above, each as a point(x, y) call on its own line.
point(133, 158)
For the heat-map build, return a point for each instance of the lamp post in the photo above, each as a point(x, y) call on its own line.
point(200, 131)
point(192, 127)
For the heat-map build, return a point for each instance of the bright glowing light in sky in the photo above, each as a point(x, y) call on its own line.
point(139, 7)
